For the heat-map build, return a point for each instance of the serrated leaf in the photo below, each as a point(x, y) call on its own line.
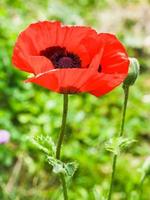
point(115, 145)
point(61, 167)
point(45, 143)
point(71, 168)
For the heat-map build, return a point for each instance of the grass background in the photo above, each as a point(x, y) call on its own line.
point(27, 110)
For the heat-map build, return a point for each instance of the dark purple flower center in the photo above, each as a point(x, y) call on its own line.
point(61, 58)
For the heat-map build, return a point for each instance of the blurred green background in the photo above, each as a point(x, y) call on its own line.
point(27, 110)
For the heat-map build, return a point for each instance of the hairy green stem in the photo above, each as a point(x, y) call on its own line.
point(114, 162)
point(60, 141)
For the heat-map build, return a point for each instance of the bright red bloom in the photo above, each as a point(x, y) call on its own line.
point(71, 59)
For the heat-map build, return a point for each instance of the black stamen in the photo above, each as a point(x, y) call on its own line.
point(61, 58)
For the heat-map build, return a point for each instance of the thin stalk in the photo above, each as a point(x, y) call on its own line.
point(64, 186)
point(114, 162)
point(126, 95)
point(141, 186)
point(60, 141)
point(112, 176)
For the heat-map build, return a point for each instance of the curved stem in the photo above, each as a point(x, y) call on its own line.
point(60, 140)
point(114, 162)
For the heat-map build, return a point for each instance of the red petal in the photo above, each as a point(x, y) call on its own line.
point(78, 80)
point(33, 64)
point(103, 83)
point(82, 52)
point(38, 36)
point(115, 58)
point(41, 35)
point(30, 42)
point(47, 80)
point(91, 44)
point(95, 63)
point(75, 35)
point(64, 80)
point(40, 64)
point(20, 61)
point(83, 42)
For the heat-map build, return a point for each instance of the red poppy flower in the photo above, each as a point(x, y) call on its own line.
point(71, 59)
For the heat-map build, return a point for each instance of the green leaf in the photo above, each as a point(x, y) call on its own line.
point(61, 167)
point(45, 143)
point(115, 145)
point(71, 168)
point(58, 166)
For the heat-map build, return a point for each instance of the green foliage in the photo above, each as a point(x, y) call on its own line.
point(29, 111)
point(115, 145)
point(61, 167)
point(45, 143)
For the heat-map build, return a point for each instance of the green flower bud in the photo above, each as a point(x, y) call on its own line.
point(133, 73)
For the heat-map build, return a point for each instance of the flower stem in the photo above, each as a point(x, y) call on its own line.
point(64, 185)
point(141, 186)
point(60, 140)
point(126, 95)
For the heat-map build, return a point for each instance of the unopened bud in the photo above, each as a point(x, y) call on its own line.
point(133, 73)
